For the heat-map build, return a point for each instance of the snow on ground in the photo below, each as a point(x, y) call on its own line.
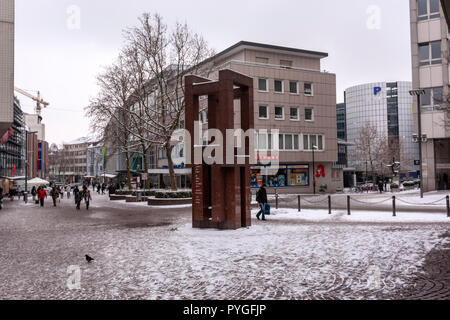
point(356, 216)
point(153, 253)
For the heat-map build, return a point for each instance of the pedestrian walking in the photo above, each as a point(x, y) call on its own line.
point(34, 193)
point(55, 195)
point(380, 186)
point(19, 192)
point(1, 198)
point(42, 195)
point(68, 190)
point(87, 198)
point(78, 199)
point(103, 188)
point(99, 188)
point(261, 198)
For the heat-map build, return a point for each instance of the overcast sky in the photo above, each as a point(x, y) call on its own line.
point(367, 41)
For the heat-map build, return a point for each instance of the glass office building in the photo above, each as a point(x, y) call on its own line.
point(388, 107)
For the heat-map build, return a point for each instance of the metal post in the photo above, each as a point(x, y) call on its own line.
point(299, 204)
point(419, 113)
point(276, 198)
point(348, 206)
point(394, 210)
point(329, 204)
point(314, 170)
point(448, 206)
point(26, 161)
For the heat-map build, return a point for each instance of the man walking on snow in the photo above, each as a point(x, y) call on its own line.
point(261, 198)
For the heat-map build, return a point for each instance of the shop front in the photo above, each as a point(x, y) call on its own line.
point(283, 176)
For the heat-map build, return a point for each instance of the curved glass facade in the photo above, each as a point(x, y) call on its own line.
point(388, 107)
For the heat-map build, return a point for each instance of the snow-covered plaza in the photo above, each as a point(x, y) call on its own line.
point(144, 252)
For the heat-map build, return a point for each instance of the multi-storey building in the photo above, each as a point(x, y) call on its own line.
point(6, 64)
point(37, 147)
point(69, 164)
point(292, 95)
point(387, 107)
point(430, 69)
point(12, 146)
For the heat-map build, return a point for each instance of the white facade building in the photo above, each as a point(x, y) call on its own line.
point(388, 107)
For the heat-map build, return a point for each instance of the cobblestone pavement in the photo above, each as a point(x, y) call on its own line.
point(152, 253)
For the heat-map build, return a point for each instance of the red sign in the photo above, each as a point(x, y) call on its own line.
point(320, 171)
point(8, 134)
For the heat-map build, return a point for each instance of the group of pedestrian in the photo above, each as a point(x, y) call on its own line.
point(40, 194)
point(82, 195)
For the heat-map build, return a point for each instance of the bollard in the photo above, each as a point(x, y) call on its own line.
point(299, 204)
point(348, 206)
point(276, 200)
point(394, 212)
point(448, 206)
point(329, 204)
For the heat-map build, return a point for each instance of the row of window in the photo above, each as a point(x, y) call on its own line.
point(290, 142)
point(428, 9)
point(279, 86)
point(294, 113)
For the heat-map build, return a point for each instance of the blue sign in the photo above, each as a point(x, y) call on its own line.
point(376, 90)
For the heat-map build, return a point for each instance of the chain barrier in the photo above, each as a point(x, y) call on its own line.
point(378, 202)
point(315, 202)
point(434, 203)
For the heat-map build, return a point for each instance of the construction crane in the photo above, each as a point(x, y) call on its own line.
point(39, 101)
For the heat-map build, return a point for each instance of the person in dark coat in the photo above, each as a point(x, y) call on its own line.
point(55, 195)
point(380, 186)
point(78, 199)
point(34, 193)
point(261, 198)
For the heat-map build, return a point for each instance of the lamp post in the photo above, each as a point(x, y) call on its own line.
point(419, 93)
point(314, 167)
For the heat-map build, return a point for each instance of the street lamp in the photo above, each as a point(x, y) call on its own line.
point(419, 93)
point(314, 167)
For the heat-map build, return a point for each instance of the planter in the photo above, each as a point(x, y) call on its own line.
point(131, 199)
point(169, 202)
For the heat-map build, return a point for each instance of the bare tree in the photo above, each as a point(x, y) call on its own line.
point(109, 111)
point(159, 59)
point(374, 150)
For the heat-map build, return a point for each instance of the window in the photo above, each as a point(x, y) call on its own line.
point(425, 100)
point(279, 113)
point(262, 60)
point(262, 85)
point(428, 9)
point(308, 89)
point(309, 114)
point(262, 141)
point(310, 140)
point(289, 142)
point(263, 112)
point(279, 86)
point(293, 87)
point(437, 97)
point(294, 114)
point(430, 53)
point(432, 99)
